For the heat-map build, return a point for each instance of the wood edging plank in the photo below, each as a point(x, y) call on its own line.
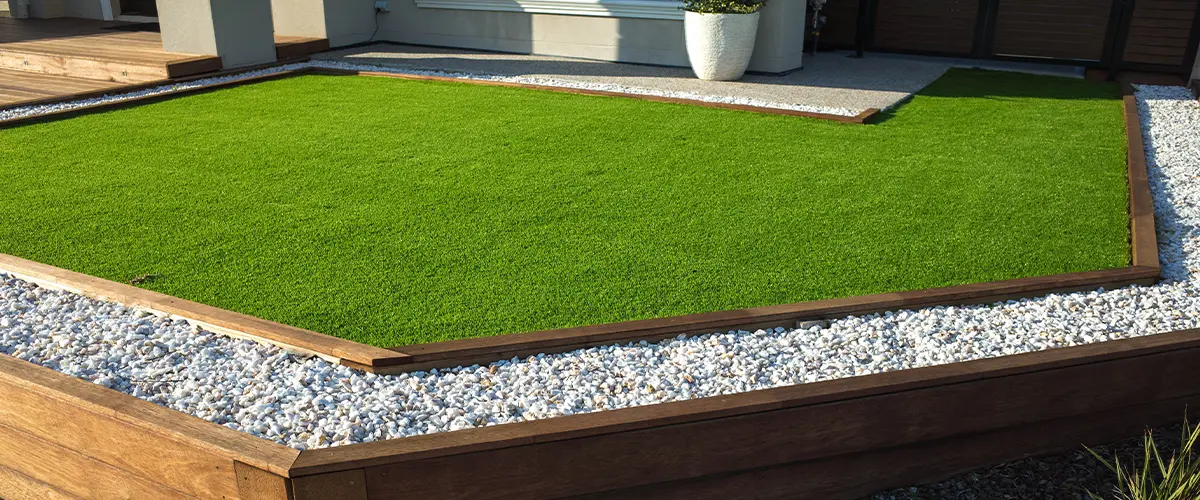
point(68, 390)
point(863, 473)
point(504, 346)
point(318, 461)
point(208, 317)
point(860, 119)
point(1143, 240)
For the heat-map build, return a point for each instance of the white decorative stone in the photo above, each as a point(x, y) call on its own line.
point(25, 111)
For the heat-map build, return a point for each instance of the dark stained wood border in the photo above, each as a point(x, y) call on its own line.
point(1144, 241)
point(79, 439)
point(862, 118)
point(821, 440)
point(1144, 270)
point(217, 320)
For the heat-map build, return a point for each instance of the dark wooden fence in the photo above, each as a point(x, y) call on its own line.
point(1138, 35)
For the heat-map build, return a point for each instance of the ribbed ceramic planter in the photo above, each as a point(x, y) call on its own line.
point(719, 46)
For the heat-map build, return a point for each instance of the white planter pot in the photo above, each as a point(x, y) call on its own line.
point(719, 46)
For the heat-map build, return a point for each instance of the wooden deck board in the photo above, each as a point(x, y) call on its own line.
point(19, 86)
point(50, 58)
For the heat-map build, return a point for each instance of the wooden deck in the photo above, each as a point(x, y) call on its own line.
point(20, 86)
point(47, 58)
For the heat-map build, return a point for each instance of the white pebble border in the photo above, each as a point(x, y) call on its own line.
point(27, 111)
point(310, 403)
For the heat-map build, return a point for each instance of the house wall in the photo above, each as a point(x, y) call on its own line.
point(342, 22)
point(627, 39)
point(239, 31)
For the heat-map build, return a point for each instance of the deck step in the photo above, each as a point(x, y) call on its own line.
point(20, 88)
point(291, 47)
point(110, 69)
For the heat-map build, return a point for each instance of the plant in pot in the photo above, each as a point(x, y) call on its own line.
point(719, 35)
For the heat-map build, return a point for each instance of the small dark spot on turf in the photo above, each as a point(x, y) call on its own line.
point(142, 279)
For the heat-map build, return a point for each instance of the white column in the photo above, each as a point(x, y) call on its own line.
point(239, 31)
point(780, 43)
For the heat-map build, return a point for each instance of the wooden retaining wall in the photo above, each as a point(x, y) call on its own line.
point(61, 437)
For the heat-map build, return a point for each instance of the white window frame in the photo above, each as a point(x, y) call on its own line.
point(642, 9)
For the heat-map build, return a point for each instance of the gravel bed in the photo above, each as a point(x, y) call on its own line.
point(310, 403)
point(27, 111)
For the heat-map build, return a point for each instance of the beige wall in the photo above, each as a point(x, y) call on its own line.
point(649, 41)
point(240, 31)
point(636, 40)
point(343, 22)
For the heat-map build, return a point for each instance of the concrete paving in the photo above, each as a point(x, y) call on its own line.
point(830, 80)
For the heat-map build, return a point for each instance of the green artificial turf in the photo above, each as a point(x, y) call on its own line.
point(393, 212)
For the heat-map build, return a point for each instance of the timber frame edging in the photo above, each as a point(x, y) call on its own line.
point(1144, 270)
point(835, 439)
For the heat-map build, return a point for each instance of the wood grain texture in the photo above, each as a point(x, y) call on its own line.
point(344, 485)
point(1062, 30)
point(74, 58)
point(951, 377)
point(999, 407)
point(138, 101)
point(858, 475)
point(257, 484)
point(131, 420)
point(85, 48)
point(291, 47)
point(1141, 201)
point(192, 470)
point(61, 95)
point(75, 473)
point(936, 26)
point(210, 317)
point(486, 349)
point(1159, 32)
point(17, 486)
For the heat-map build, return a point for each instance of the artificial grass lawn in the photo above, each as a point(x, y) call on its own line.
point(392, 212)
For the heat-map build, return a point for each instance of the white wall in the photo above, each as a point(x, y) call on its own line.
point(239, 31)
point(343, 22)
point(649, 41)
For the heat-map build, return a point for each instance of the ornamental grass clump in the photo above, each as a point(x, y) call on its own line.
point(724, 6)
point(1177, 478)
